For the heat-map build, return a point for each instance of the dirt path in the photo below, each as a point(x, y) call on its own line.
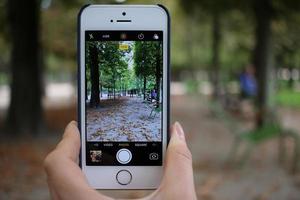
point(261, 178)
point(123, 119)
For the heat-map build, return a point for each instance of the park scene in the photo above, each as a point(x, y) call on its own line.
point(123, 90)
point(235, 88)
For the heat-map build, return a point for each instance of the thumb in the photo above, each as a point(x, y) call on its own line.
point(70, 144)
point(178, 167)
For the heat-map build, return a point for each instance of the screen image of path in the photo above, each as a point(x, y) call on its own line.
point(124, 90)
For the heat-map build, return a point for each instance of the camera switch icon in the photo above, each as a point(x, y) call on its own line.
point(153, 156)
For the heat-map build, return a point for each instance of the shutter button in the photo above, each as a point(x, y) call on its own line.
point(124, 156)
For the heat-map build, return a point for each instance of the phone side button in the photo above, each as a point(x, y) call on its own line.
point(124, 177)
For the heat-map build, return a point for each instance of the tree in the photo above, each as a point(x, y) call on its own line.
point(158, 69)
point(112, 64)
point(265, 12)
point(106, 68)
point(148, 63)
point(142, 66)
point(94, 75)
point(287, 42)
point(262, 55)
point(25, 111)
point(215, 10)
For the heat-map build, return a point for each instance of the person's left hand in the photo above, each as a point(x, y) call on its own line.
point(64, 176)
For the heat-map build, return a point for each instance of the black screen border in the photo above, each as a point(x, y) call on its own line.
point(131, 36)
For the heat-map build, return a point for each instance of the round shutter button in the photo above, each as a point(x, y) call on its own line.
point(124, 156)
point(124, 177)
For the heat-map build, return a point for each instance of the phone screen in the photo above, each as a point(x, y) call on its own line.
point(124, 97)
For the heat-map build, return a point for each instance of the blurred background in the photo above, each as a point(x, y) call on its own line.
point(235, 88)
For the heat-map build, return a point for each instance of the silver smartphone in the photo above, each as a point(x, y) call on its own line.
point(123, 94)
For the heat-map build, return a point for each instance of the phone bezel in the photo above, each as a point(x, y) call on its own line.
point(143, 17)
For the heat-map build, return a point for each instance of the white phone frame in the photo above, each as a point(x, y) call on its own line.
point(143, 17)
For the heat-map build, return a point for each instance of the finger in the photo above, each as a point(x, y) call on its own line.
point(67, 181)
point(178, 167)
point(52, 192)
point(65, 178)
point(70, 144)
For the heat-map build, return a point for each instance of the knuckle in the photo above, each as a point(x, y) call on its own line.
point(182, 152)
point(48, 161)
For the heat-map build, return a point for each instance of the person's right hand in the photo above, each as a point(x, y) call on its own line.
point(66, 180)
point(178, 180)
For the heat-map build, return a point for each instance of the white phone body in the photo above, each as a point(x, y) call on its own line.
point(143, 17)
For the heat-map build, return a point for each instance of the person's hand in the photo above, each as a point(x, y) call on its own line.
point(67, 181)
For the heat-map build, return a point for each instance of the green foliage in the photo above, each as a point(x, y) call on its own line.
point(191, 33)
point(113, 68)
point(125, 69)
point(261, 134)
point(3, 79)
point(287, 41)
point(237, 31)
point(288, 97)
point(145, 57)
point(192, 86)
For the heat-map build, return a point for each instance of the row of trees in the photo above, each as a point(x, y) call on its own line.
point(262, 14)
point(231, 25)
point(148, 63)
point(21, 36)
point(107, 66)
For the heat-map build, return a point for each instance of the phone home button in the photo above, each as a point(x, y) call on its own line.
point(124, 177)
point(124, 156)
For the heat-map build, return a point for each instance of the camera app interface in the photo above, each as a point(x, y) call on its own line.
point(123, 97)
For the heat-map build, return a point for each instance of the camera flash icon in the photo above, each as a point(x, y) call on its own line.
point(155, 36)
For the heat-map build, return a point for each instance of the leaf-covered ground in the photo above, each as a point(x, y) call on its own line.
point(123, 119)
point(21, 166)
point(262, 178)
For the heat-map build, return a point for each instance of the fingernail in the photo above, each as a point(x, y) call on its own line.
point(73, 123)
point(179, 130)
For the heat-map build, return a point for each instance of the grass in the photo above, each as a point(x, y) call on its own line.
point(288, 98)
point(268, 131)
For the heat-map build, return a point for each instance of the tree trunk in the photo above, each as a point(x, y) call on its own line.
point(216, 38)
point(145, 81)
point(101, 90)
point(86, 89)
point(25, 109)
point(262, 57)
point(190, 42)
point(114, 89)
point(291, 80)
point(158, 75)
point(95, 100)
